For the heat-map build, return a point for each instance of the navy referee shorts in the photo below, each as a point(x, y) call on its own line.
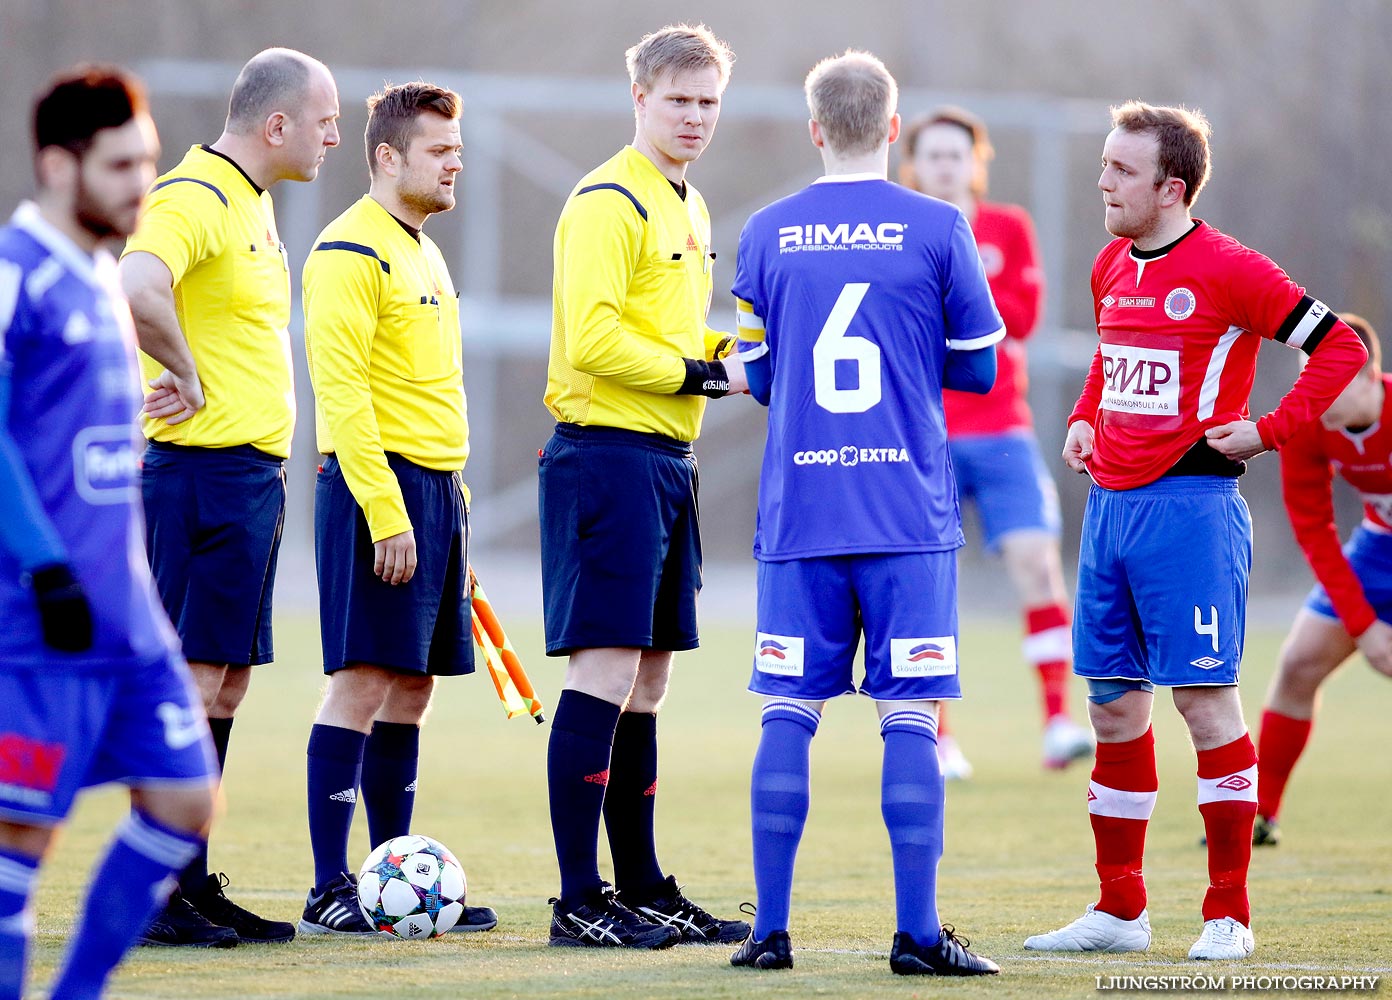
point(421, 626)
point(620, 540)
point(213, 519)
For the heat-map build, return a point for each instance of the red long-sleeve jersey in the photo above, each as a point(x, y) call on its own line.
point(1309, 462)
point(1178, 331)
point(1005, 239)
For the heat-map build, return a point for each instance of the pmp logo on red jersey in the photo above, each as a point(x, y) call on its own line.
point(1180, 304)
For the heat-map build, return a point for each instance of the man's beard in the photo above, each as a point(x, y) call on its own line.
point(94, 216)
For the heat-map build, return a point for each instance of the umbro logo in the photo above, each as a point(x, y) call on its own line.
point(1092, 796)
point(347, 795)
point(1235, 783)
point(1206, 663)
point(1109, 301)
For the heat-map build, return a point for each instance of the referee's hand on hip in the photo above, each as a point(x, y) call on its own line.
point(394, 557)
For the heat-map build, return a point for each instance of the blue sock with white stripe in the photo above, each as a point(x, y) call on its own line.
point(779, 796)
point(911, 801)
point(129, 886)
point(17, 874)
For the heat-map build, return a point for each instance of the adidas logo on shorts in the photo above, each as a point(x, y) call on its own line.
point(347, 795)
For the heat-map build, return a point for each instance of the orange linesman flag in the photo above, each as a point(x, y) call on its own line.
point(509, 677)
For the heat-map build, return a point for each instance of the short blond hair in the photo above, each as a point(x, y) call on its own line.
point(853, 97)
point(675, 49)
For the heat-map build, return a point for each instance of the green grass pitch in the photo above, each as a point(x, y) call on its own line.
point(1018, 845)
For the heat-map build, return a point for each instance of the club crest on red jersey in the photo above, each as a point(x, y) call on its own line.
point(1180, 304)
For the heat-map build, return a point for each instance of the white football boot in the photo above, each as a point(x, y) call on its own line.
point(951, 761)
point(1065, 741)
point(1222, 940)
point(1096, 931)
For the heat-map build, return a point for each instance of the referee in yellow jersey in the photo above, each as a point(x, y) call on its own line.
point(209, 289)
point(391, 527)
point(632, 364)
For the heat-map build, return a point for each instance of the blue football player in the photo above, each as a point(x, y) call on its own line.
point(92, 685)
point(859, 301)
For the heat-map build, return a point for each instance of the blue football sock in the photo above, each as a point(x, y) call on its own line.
point(17, 874)
point(911, 801)
point(389, 763)
point(779, 796)
point(129, 886)
point(334, 773)
point(194, 877)
point(628, 804)
point(577, 771)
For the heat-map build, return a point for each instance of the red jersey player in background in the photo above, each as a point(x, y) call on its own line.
point(995, 455)
point(1162, 428)
point(1349, 609)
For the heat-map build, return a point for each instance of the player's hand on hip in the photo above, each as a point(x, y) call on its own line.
point(734, 371)
point(1077, 447)
point(173, 399)
point(64, 614)
point(1376, 645)
point(1238, 440)
point(394, 557)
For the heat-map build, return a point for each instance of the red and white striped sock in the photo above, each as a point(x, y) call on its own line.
point(1228, 803)
point(1048, 646)
point(1121, 797)
point(1279, 746)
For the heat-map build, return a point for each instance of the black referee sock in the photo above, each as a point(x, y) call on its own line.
point(577, 771)
point(390, 759)
point(334, 771)
point(195, 876)
point(629, 801)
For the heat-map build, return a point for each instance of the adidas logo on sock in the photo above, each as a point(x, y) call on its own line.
point(599, 777)
point(410, 788)
point(347, 795)
point(651, 789)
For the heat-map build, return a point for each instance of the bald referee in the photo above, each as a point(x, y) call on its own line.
point(391, 524)
point(209, 288)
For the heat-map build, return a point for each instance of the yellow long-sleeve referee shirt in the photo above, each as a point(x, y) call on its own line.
point(215, 230)
point(630, 293)
point(383, 342)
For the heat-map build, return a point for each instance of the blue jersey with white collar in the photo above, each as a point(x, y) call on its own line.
point(67, 352)
point(852, 293)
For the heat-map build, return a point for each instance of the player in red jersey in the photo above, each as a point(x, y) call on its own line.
point(1349, 609)
point(1162, 427)
point(995, 455)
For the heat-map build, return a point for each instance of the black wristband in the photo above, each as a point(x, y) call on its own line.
point(704, 378)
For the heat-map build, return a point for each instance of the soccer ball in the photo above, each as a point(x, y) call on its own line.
point(411, 887)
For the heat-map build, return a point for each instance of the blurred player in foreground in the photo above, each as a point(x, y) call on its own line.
point(1162, 429)
point(92, 686)
point(1350, 608)
point(391, 519)
point(858, 302)
point(632, 364)
point(209, 286)
point(995, 455)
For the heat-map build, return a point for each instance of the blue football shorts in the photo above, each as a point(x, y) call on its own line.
point(1005, 477)
point(1162, 583)
point(213, 519)
point(63, 730)
point(421, 626)
point(1369, 552)
point(620, 540)
point(811, 613)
